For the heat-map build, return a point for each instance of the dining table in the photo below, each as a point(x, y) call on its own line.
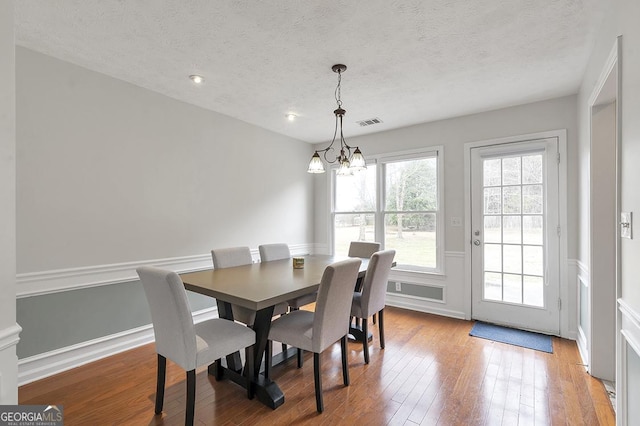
point(259, 287)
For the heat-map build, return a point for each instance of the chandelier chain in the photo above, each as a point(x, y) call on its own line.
point(338, 94)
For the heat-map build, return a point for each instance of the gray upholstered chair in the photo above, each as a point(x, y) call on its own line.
point(239, 256)
point(363, 249)
point(187, 344)
point(371, 299)
point(316, 331)
point(269, 252)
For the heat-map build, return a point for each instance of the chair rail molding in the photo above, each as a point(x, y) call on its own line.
point(630, 325)
point(59, 280)
point(10, 336)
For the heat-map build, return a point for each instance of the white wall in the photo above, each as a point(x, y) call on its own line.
point(109, 172)
point(622, 20)
point(630, 149)
point(8, 328)
point(111, 176)
point(453, 134)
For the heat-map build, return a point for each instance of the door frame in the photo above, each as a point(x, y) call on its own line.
point(568, 301)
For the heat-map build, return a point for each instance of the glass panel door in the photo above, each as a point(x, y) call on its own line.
point(515, 273)
point(513, 229)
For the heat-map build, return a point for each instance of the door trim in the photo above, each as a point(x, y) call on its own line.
point(567, 312)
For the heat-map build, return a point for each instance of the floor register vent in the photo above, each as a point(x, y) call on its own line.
point(417, 290)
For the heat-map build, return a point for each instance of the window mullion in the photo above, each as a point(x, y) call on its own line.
point(381, 202)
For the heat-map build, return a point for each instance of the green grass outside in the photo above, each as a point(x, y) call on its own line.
point(415, 248)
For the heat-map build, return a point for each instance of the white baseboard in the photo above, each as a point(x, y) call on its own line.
point(421, 305)
point(53, 362)
point(9, 338)
point(581, 342)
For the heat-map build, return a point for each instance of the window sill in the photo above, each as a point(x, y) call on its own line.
point(399, 272)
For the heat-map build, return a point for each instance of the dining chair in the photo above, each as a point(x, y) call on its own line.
point(187, 344)
point(269, 252)
point(238, 256)
point(272, 252)
point(316, 331)
point(363, 249)
point(371, 299)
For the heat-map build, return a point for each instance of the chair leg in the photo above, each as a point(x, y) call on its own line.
point(381, 327)
point(162, 370)
point(250, 367)
point(318, 382)
point(345, 362)
point(365, 339)
point(268, 354)
point(191, 397)
point(300, 360)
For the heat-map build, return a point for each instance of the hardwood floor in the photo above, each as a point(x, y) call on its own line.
point(431, 372)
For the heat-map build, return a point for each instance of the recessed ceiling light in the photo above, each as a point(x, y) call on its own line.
point(197, 79)
point(291, 116)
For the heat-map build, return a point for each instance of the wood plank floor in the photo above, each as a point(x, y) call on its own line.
point(431, 373)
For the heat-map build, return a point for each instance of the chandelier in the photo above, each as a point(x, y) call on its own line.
point(348, 161)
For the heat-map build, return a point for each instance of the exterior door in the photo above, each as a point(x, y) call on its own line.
point(515, 235)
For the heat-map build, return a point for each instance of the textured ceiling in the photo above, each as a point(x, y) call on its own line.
point(408, 61)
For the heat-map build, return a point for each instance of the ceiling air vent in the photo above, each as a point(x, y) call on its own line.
point(369, 122)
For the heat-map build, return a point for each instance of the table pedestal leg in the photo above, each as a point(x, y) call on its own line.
point(266, 391)
point(358, 334)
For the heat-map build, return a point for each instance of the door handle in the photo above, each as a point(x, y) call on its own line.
point(476, 242)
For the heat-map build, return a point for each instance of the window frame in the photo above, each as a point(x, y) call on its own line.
point(380, 161)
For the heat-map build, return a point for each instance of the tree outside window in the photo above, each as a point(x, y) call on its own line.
point(406, 219)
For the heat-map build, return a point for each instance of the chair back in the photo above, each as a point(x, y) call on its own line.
point(230, 257)
point(171, 315)
point(269, 252)
point(374, 285)
point(333, 305)
point(363, 249)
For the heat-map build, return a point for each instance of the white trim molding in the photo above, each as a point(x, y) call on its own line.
point(582, 269)
point(582, 280)
point(10, 336)
point(59, 280)
point(565, 315)
point(629, 325)
point(53, 362)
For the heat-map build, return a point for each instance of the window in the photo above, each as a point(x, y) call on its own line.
point(395, 201)
point(355, 209)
